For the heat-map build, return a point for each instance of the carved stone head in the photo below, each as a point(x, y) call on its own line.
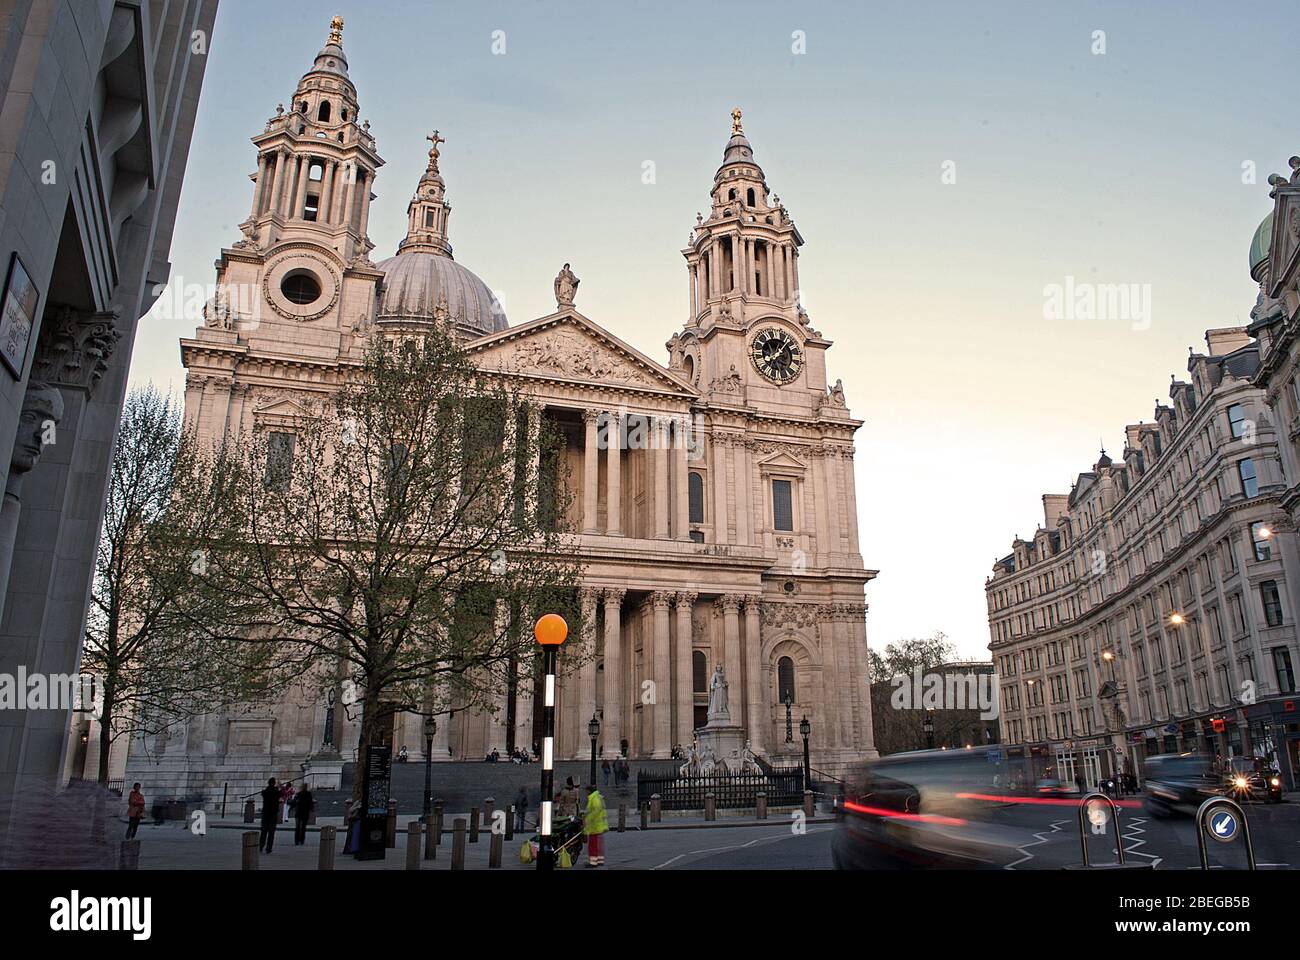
point(42, 407)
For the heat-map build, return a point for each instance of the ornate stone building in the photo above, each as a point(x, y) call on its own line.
point(714, 493)
point(1154, 610)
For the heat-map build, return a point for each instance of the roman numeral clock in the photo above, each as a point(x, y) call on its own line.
point(776, 355)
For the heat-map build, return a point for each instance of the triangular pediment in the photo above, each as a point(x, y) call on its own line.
point(782, 460)
point(569, 347)
point(281, 408)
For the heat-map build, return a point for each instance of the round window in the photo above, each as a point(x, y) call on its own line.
point(300, 287)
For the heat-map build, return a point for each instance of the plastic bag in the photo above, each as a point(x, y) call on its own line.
point(526, 852)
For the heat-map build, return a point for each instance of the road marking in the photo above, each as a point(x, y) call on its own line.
point(1131, 848)
point(1056, 828)
point(737, 846)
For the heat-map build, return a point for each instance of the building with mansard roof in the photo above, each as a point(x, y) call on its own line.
point(741, 550)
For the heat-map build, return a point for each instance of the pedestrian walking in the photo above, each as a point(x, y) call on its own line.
point(134, 810)
point(302, 807)
point(595, 825)
point(569, 799)
point(604, 768)
point(521, 808)
point(270, 815)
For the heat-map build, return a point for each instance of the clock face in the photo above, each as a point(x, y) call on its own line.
point(776, 355)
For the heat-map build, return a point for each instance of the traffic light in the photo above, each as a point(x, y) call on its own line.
point(1218, 724)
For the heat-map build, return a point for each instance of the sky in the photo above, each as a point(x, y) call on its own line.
point(949, 166)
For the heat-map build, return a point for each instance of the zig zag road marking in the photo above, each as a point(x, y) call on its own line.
point(1130, 848)
point(1056, 828)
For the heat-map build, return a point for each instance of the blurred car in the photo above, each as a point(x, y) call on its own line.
point(1051, 787)
point(1253, 779)
point(926, 809)
point(1178, 783)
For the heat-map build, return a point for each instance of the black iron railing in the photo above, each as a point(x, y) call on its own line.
point(783, 786)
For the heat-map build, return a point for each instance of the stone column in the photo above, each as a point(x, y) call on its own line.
point(663, 683)
point(685, 724)
point(590, 471)
point(612, 728)
point(851, 500)
point(831, 498)
point(681, 472)
point(731, 652)
point(496, 733)
point(351, 176)
point(744, 516)
point(613, 479)
point(365, 209)
point(587, 675)
point(756, 714)
point(533, 470)
point(300, 193)
point(276, 196)
point(259, 189)
point(323, 213)
point(341, 198)
point(524, 703)
point(659, 451)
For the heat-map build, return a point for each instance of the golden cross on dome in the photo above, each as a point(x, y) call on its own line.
point(336, 30)
point(735, 122)
point(434, 139)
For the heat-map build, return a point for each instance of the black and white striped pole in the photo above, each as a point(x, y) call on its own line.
point(549, 631)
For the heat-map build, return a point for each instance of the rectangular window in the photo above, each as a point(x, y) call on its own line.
point(1262, 549)
point(782, 505)
point(1249, 483)
point(279, 459)
point(1285, 675)
point(1272, 603)
point(1236, 420)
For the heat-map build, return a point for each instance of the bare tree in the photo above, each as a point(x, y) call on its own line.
point(154, 666)
point(398, 539)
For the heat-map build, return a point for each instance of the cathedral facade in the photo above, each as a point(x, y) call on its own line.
point(713, 493)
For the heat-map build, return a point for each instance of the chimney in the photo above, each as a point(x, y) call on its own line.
point(1225, 340)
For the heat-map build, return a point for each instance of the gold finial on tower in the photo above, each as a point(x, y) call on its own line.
point(736, 131)
point(434, 139)
point(336, 30)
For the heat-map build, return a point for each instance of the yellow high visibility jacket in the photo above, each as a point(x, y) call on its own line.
point(595, 821)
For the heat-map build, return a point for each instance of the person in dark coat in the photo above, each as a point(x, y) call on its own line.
point(521, 808)
point(302, 808)
point(270, 815)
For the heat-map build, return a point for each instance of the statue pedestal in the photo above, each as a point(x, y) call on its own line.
point(725, 741)
point(325, 771)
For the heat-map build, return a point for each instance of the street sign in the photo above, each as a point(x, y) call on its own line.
point(372, 841)
point(1223, 826)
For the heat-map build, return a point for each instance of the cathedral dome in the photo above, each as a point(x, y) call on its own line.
point(424, 286)
point(1261, 241)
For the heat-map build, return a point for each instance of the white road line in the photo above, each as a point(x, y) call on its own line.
point(1131, 848)
point(1056, 828)
point(738, 846)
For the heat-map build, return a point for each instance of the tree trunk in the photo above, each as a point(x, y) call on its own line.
point(106, 730)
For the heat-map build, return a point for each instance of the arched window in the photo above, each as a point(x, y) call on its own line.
point(699, 672)
point(695, 491)
point(323, 112)
point(750, 196)
point(784, 679)
point(302, 107)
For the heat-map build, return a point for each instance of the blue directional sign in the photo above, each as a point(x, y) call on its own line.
point(1223, 825)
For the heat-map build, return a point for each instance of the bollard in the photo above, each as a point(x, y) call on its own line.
point(762, 805)
point(622, 815)
point(413, 845)
point(252, 839)
point(808, 806)
point(250, 812)
point(129, 858)
point(391, 829)
point(458, 844)
point(311, 816)
point(494, 851)
point(437, 823)
point(473, 824)
point(431, 840)
point(656, 807)
point(645, 816)
point(510, 822)
point(489, 806)
point(710, 807)
point(328, 845)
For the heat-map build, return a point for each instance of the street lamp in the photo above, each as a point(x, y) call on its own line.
point(593, 731)
point(789, 723)
point(805, 728)
point(430, 728)
point(1176, 619)
point(928, 726)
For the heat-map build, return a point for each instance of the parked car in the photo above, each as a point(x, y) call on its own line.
point(1178, 783)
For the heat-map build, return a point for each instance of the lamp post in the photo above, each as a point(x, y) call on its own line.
point(928, 726)
point(430, 728)
point(805, 728)
point(549, 632)
point(789, 726)
point(327, 739)
point(593, 731)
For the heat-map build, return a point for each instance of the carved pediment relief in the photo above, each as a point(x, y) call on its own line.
point(571, 350)
point(280, 410)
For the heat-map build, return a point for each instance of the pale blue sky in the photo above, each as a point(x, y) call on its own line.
point(1120, 168)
